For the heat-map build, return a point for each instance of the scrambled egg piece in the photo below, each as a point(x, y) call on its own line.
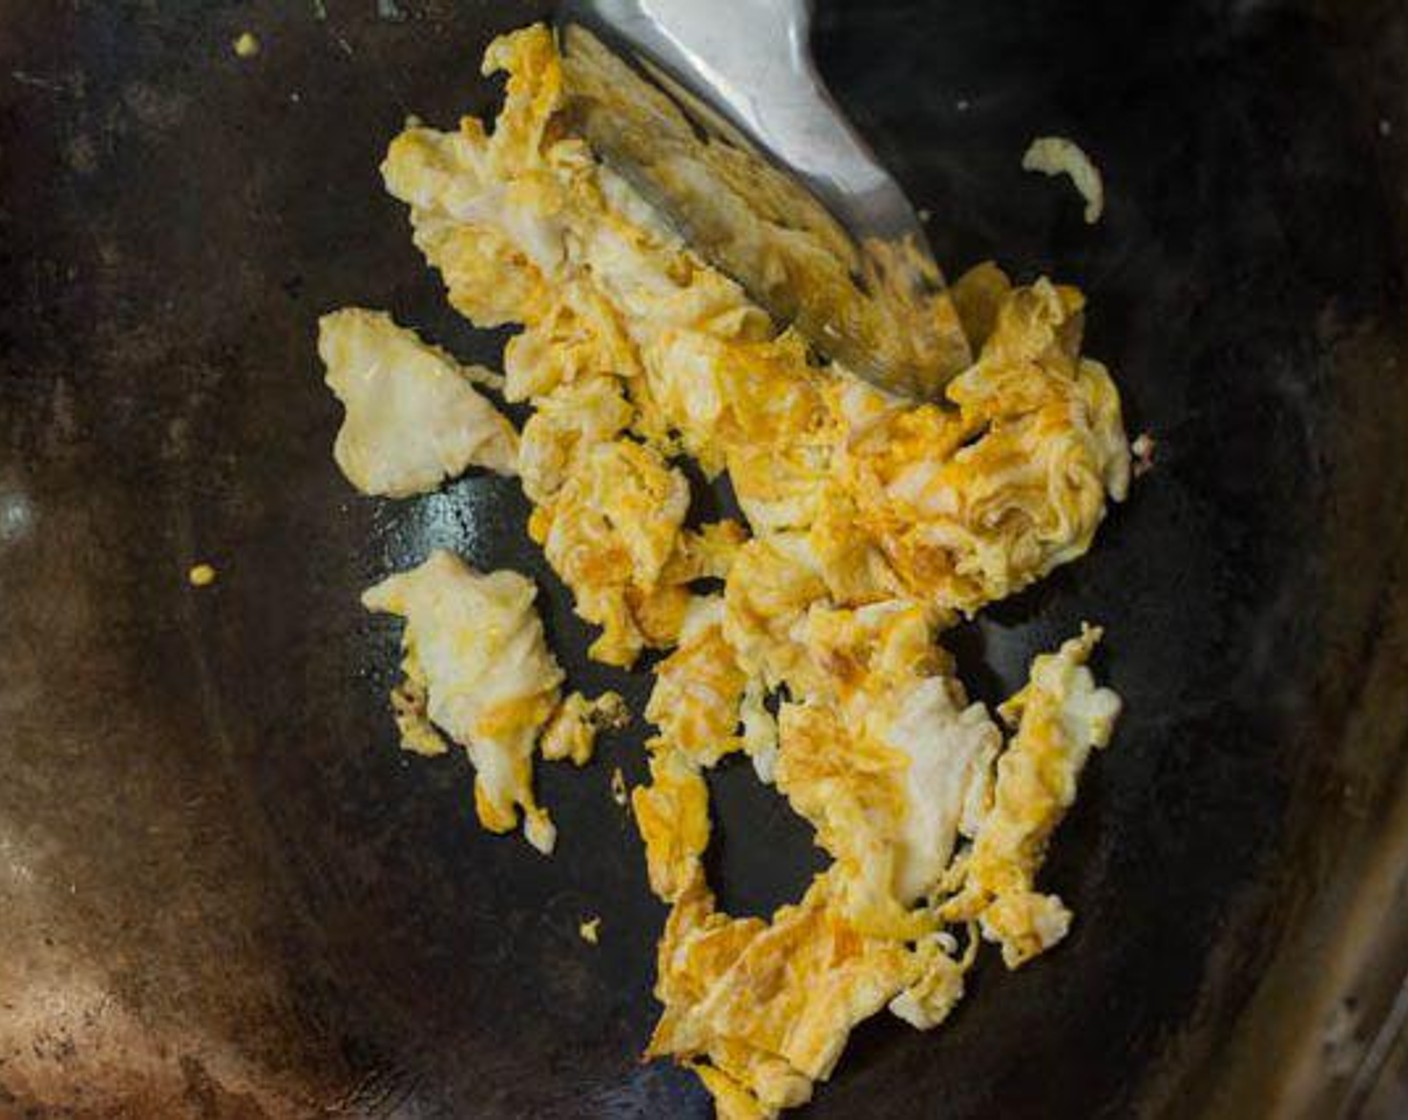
point(413, 418)
point(970, 505)
point(609, 534)
point(1059, 716)
point(572, 731)
point(699, 689)
point(773, 582)
point(872, 525)
point(1056, 155)
point(478, 669)
point(763, 1009)
point(571, 419)
point(672, 813)
point(936, 983)
point(889, 763)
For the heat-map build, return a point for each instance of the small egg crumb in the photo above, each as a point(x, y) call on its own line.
point(1143, 449)
point(202, 575)
point(589, 930)
point(618, 787)
point(246, 45)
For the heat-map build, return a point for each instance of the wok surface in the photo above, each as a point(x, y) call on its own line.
point(224, 892)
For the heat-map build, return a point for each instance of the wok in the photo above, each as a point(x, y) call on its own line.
point(224, 892)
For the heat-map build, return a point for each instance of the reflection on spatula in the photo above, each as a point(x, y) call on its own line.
point(714, 111)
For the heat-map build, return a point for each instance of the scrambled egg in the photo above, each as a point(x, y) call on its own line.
point(478, 669)
point(413, 418)
point(872, 525)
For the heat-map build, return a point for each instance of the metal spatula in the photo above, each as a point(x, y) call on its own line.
point(714, 111)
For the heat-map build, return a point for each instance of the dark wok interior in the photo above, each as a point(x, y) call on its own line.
point(224, 892)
